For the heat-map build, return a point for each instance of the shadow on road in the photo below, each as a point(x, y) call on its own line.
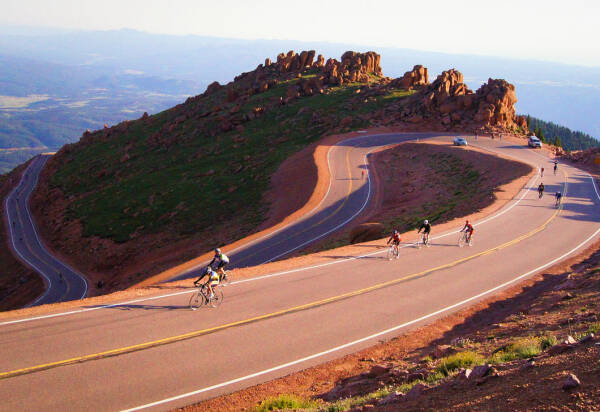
point(144, 307)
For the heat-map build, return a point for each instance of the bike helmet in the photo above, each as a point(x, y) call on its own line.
point(426, 222)
point(217, 250)
point(395, 232)
point(467, 222)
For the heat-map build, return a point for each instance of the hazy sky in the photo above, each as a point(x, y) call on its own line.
point(556, 30)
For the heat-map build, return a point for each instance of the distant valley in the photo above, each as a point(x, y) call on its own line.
point(57, 85)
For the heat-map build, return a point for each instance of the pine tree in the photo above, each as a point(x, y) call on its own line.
point(541, 135)
point(557, 142)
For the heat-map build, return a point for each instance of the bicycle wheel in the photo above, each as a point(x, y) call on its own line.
point(390, 253)
point(461, 239)
point(225, 280)
point(196, 300)
point(217, 299)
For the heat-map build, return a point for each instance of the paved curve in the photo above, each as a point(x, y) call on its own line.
point(95, 359)
point(62, 282)
point(348, 194)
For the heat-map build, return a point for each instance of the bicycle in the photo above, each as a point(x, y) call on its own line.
point(202, 297)
point(393, 252)
point(557, 203)
point(225, 281)
point(423, 240)
point(463, 239)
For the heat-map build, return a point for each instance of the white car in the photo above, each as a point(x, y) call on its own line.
point(534, 142)
point(460, 141)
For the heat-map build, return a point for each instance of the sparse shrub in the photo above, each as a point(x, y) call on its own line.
point(435, 377)
point(459, 360)
point(520, 349)
point(284, 402)
point(594, 328)
point(426, 359)
point(547, 341)
point(349, 403)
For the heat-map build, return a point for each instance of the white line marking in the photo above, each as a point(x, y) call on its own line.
point(338, 226)
point(270, 234)
point(12, 237)
point(41, 245)
point(525, 191)
point(366, 338)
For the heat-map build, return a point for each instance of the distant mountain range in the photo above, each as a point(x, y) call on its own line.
point(56, 84)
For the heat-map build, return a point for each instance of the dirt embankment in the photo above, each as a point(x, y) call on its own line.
point(18, 284)
point(431, 180)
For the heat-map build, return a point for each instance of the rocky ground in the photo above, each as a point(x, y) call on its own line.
point(533, 347)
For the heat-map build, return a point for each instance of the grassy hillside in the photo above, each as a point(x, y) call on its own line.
point(130, 200)
point(193, 180)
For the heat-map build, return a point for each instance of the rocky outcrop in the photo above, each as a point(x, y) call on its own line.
point(354, 67)
point(449, 102)
point(416, 77)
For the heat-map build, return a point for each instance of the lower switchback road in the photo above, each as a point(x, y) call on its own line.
point(62, 282)
point(156, 354)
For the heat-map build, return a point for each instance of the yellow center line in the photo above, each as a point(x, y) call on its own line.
point(189, 335)
point(335, 212)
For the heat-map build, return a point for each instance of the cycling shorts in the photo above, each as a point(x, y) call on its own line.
point(396, 242)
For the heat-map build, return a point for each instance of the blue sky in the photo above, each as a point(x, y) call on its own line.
point(552, 30)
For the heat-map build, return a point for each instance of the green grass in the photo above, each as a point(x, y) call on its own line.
point(285, 402)
point(594, 328)
point(459, 179)
point(459, 360)
point(547, 341)
point(349, 403)
point(522, 348)
point(168, 185)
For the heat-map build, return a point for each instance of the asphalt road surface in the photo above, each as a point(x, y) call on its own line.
point(348, 195)
point(62, 282)
point(156, 354)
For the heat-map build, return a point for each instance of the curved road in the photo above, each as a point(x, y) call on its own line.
point(347, 196)
point(62, 282)
point(156, 354)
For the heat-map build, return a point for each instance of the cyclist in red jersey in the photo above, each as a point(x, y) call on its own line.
point(395, 240)
point(469, 229)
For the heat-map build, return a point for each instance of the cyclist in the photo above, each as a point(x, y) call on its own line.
point(558, 196)
point(395, 239)
point(555, 166)
point(221, 260)
point(541, 190)
point(469, 229)
point(542, 172)
point(213, 280)
point(426, 228)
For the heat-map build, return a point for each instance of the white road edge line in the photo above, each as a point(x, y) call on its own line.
point(524, 191)
point(12, 239)
point(366, 338)
point(41, 245)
